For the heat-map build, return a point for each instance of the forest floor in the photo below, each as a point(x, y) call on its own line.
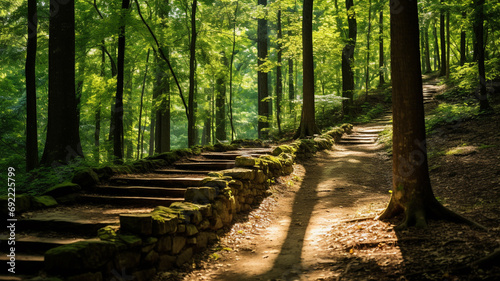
point(319, 223)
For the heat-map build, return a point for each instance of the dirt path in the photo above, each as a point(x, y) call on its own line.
point(285, 238)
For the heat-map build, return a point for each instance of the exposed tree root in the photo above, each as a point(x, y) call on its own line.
point(418, 216)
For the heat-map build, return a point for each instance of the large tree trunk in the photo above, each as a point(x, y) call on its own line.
point(192, 74)
point(437, 58)
point(279, 79)
point(63, 138)
point(411, 187)
point(427, 50)
point(463, 38)
point(161, 96)
point(31, 123)
point(231, 75)
point(479, 34)
point(308, 121)
point(118, 110)
point(347, 61)
point(139, 139)
point(262, 77)
point(367, 71)
point(448, 44)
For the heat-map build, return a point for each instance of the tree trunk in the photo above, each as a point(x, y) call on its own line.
point(463, 38)
point(381, 48)
point(63, 138)
point(437, 59)
point(347, 61)
point(118, 110)
point(220, 103)
point(442, 26)
point(427, 50)
point(192, 74)
point(367, 71)
point(479, 34)
point(231, 74)
point(411, 187)
point(448, 44)
point(31, 123)
point(262, 77)
point(308, 121)
point(139, 142)
point(161, 95)
point(279, 79)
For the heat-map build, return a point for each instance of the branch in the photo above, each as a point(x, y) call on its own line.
point(163, 57)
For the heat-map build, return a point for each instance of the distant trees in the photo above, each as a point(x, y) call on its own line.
point(262, 76)
point(63, 138)
point(347, 60)
point(479, 53)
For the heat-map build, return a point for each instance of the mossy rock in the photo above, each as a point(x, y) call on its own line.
point(336, 133)
point(245, 161)
point(283, 149)
point(86, 178)
point(79, 257)
point(42, 202)
point(223, 147)
point(63, 189)
point(23, 203)
point(347, 128)
point(248, 143)
point(323, 143)
point(181, 152)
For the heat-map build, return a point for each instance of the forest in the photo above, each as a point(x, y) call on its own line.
point(156, 124)
point(182, 77)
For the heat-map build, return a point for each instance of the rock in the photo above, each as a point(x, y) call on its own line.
point(218, 183)
point(164, 244)
point(89, 276)
point(107, 233)
point(202, 240)
point(204, 224)
point(240, 173)
point(191, 230)
point(127, 259)
point(178, 243)
point(44, 201)
point(144, 275)
point(189, 211)
point(141, 224)
point(191, 241)
point(216, 222)
point(86, 178)
point(164, 225)
point(184, 257)
point(244, 161)
point(200, 195)
point(63, 189)
point(181, 228)
point(131, 241)
point(152, 257)
point(166, 262)
point(79, 257)
point(149, 244)
point(283, 149)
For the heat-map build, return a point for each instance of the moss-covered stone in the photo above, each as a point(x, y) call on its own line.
point(22, 203)
point(200, 195)
point(178, 242)
point(86, 178)
point(42, 202)
point(78, 257)
point(245, 161)
point(63, 189)
point(184, 257)
point(141, 224)
point(283, 149)
point(189, 211)
point(240, 173)
point(219, 183)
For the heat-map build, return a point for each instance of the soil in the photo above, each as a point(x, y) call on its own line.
point(319, 224)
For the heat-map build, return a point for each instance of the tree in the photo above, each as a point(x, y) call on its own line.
point(192, 73)
point(118, 109)
point(381, 46)
point(263, 91)
point(411, 187)
point(31, 125)
point(479, 49)
point(444, 65)
point(279, 79)
point(63, 137)
point(308, 121)
point(347, 60)
point(220, 102)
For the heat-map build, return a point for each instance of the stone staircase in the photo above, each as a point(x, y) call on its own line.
point(39, 231)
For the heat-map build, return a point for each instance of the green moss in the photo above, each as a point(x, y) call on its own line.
point(283, 149)
point(44, 201)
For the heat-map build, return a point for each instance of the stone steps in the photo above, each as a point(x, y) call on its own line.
point(181, 172)
point(35, 245)
point(24, 264)
point(129, 200)
point(227, 156)
point(158, 181)
point(83, 228)
point(13, 277)
point(205, 165)
point(142, 191)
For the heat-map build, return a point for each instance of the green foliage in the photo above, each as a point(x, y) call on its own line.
point(446, 114)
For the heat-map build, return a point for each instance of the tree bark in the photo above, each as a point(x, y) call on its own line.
point(411, 186)
point(463, 38)
point(31, 123)
point(427, 49)
point(220, 103)
point(118, 110)
point(192, 74)
point(347, 61)
point(442, 26)
point(437, 58)
point(381, 48)
point(279, 79)
point(367, 71)
point(231, 74)
point(262, 77)
point(448, 44)
point(308, 121)
point(479, 34)
point(63, 137)
point(139, 142)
